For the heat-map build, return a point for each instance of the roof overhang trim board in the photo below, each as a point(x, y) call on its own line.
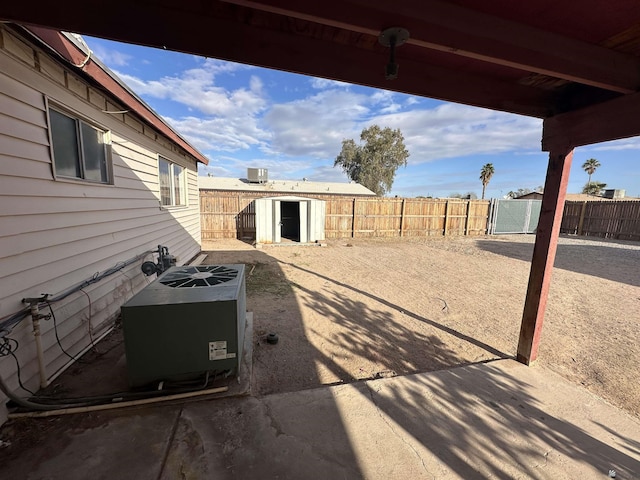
point(70, 52)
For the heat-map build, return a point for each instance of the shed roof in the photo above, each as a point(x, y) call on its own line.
point(283, 186)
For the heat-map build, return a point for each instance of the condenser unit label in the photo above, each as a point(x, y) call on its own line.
point(218, 350)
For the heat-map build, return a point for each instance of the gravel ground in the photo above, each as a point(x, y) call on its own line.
point(367, 308)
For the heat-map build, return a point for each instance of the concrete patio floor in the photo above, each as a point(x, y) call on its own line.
point(492, 420)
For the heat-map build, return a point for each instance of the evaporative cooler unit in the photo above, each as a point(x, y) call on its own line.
point(188, 322)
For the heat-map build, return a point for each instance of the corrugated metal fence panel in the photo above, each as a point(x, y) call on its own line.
point(515, 216)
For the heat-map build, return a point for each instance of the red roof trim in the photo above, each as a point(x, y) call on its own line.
point(65, 48)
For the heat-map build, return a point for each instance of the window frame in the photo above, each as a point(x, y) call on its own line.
point(79, 120)
point(182, 184)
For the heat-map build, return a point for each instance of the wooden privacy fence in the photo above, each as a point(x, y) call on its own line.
point(606, 219)
point(233, 216)
point(405, 217)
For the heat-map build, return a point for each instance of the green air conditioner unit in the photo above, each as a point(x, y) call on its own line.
point(188, 322)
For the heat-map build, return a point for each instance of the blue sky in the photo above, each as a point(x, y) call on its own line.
point(241, 116)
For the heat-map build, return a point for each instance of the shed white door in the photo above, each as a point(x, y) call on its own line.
point(264, 220)
point(317, 213)
point(277, 221)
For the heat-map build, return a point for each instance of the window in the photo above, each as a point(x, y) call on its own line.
point(80, 150)
point(172, 183)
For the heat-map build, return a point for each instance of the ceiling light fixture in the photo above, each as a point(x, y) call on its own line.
point(392, 37)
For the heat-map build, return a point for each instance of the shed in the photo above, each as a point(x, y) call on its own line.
point(289, 218)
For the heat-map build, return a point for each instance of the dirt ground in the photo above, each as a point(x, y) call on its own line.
point(360, 309)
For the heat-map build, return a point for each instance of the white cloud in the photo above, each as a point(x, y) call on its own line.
point(196, 88)
point(222, 119)
point(110, 57)
point(315, 126)
point(452, 130)
point(327, 173)
point(325, 83)
point(219, 133)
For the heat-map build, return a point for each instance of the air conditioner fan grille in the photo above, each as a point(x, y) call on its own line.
point(200, 276)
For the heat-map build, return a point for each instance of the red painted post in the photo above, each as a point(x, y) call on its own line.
point(544, 254)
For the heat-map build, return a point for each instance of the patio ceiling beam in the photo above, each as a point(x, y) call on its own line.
point(219, 34)
point(602, 122)
point(460, 31)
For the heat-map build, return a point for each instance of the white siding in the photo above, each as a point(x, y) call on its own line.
point(57, 233)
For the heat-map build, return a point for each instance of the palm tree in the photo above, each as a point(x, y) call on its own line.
point(485, 175)
point(590, 166)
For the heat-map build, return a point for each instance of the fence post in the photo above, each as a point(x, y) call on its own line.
point(466, 220)
point(353, 220)
point(493, 207)
point(446, 218)
point(240, 219)
point(581, 221)
point(402, 216)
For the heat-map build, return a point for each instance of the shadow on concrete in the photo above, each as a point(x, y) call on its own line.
point(491, 427)
point(609, 259)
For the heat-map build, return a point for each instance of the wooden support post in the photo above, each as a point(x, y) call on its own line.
point(544, 253)
point(581, 221)
point(402, 216)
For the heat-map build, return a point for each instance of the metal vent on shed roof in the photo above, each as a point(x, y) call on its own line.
point(200, 276)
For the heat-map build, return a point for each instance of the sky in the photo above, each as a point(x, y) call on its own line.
point(241, 116)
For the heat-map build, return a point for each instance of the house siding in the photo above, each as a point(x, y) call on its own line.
point(56, 233)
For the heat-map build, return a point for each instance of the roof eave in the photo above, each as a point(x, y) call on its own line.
point(68, 48)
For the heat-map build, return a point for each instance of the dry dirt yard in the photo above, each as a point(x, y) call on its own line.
point(361, 309)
